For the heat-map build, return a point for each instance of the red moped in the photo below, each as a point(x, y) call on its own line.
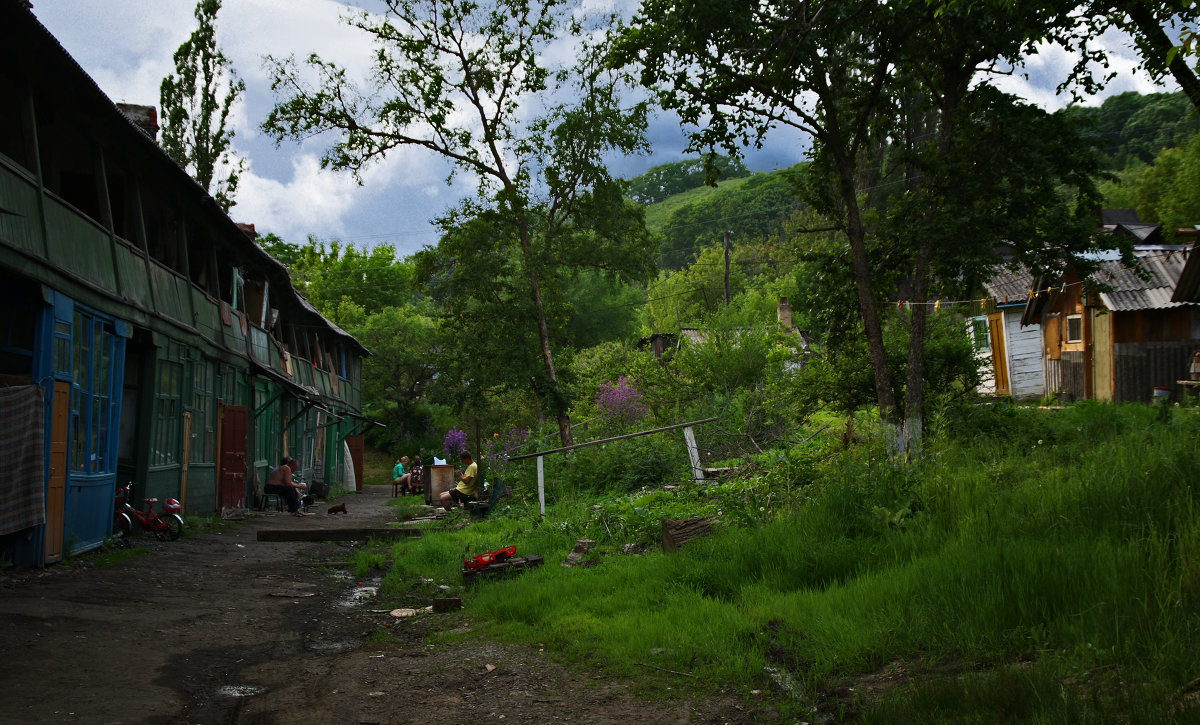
point(166, 526)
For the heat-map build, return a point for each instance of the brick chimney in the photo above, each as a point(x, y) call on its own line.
point(248, 230)
point(784, 314)
point(144, 117)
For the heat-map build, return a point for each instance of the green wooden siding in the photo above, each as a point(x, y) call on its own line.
point(170, 293)
point(131, 268)
point(76, 243)
point(20, 194)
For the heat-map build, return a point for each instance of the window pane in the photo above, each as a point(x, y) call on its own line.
point(105, 363)
point(78, 350)
point(77, 443)
point(95, 446)
point(62, 346)
point(101, 424)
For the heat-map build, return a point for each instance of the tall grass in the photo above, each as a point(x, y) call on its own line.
point(1026, 551)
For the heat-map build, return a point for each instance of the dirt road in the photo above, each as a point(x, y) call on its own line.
point(222, 628)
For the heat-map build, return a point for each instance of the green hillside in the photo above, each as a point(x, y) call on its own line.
point(749, 207)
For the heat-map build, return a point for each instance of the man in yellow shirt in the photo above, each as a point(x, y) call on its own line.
point(468, 483)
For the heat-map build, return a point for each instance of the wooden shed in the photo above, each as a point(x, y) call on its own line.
point(1118, 334)
point(1010, 354)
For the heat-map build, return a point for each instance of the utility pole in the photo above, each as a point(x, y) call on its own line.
point(727, 268)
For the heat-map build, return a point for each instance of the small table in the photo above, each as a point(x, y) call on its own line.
point(438, 478)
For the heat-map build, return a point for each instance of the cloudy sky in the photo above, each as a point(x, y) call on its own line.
point(126, 46)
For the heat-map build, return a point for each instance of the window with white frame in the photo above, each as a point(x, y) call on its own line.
point(1074, 328)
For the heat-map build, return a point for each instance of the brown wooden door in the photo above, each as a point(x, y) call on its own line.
point(233, 456)
point(60, 412)
point(1102, 367)
point(999, 354)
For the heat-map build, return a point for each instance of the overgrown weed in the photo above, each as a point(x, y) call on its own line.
point(1050, 543)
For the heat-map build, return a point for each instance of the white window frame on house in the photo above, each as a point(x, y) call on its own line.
point(1073, 322)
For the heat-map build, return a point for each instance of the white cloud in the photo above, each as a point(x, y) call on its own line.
point(310, 200)
point(1050, 65)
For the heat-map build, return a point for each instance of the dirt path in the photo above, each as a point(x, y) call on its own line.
point(221, 628)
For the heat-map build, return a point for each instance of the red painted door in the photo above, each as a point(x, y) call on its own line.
point(233, 456)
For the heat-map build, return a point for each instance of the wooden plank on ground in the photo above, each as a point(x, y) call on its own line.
point(675, 533)
point(344, 534)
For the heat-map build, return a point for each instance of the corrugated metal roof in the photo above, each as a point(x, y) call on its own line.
point(1148, 288)
point(1008, 284)
point(1140, 232)
point(1151, 299)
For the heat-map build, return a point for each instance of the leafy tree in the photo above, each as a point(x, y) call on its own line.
point(1166, 121)
point(327, 274)
point(1168, 191)
point(1130, 127)
point(1146, 21)
point(883, 90)
point(601, 310)
point(691, 295)
point(1079, 24)
point(396, 377)
point(473, 83)
point(196, 100)
point(678, 176)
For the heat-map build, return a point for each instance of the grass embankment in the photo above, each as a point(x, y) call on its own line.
point(1034, 566)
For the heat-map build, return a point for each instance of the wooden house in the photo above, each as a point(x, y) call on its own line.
point(1010, 354)
point(144, 336)
point(1119, 334)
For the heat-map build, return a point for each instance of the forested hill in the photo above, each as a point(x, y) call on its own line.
point(750, 205)
point(1131, 128)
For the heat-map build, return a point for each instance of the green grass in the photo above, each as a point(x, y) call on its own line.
point(1026, 552)
point(194, 525)
point(110, 554)
point(658, 215)
point(407, 507)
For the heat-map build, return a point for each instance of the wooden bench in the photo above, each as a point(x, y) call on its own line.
point(480, 507)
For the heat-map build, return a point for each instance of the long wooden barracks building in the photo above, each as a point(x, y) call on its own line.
point(144, 336)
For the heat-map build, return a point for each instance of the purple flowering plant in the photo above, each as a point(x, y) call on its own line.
point(621, 401)
point(454, 443)
point(502, 446)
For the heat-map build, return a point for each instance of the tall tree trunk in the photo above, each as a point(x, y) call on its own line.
point(535, 291)
point(856, 234)
point(957, 80)
point(914, 384)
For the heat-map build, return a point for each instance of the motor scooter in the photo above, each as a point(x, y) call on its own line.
point(166, 526)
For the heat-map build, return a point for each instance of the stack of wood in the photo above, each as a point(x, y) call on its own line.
point(676, 533)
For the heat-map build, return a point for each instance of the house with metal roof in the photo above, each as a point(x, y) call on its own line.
point(144, 336)
point(1010, 354)
point(1119, 333)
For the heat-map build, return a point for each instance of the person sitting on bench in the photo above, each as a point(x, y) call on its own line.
point(468, 483)
point(280, 482)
